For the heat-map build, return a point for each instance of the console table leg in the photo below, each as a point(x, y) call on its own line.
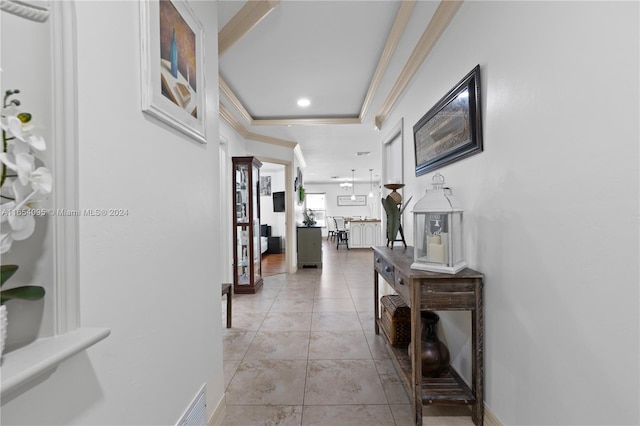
point(416, 356)
point(376, 300)
point(477, 348)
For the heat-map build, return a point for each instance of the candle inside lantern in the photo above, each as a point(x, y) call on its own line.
point(435, 249)
point(436, 253)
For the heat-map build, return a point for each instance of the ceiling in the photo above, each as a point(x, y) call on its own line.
point(347, 57)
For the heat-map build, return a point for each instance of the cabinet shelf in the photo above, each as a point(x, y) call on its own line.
point(449, 388)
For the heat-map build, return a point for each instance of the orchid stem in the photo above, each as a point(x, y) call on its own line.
point(4, 166)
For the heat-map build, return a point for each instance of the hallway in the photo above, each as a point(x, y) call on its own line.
point(303, 351)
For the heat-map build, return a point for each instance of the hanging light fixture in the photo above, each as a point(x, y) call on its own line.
point(370, 183)
point(353, 181)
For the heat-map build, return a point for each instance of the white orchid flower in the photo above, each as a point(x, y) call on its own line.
point(14, 227)
point(21, 145)
point(39, 179)
point(5, 243)
point(23, 130)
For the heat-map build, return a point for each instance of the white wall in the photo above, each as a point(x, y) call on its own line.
point(551, 204)
point(151, 277)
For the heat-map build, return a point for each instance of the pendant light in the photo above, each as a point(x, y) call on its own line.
point(370, 183)
point(353, 181)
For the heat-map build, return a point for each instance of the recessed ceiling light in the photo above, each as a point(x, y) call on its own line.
point(304, 102)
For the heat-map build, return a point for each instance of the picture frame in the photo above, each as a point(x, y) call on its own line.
point(452, 129)
point(265, 185)
point(172, 70)
point(345, 200)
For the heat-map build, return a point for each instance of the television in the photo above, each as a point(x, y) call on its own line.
point(278, 201)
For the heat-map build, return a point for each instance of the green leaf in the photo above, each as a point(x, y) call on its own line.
point(6, 271)
point(393, 217)
point(27, 292)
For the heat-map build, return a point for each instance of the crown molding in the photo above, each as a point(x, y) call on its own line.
point(235, 102)
point(441, 18)
point(399, 25)
point(248, 17)
point(24, 9)
point(226, 115)
point(271, 140)
point(298, 152)
point(249, 120)
point(305, 121)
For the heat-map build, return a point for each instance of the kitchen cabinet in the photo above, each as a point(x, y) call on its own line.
point(365, 233)
point(309, 246)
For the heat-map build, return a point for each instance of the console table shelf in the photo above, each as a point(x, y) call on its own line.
point(422, 290)
point(446, 389)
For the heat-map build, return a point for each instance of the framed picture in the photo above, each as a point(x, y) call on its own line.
point(452, 129)
point(172, 74)
point(265, 185)
point(345, 200)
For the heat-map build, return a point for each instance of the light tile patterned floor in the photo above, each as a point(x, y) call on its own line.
point(303, 351)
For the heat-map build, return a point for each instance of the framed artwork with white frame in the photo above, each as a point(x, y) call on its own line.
point(172, 72)
point(346, 200)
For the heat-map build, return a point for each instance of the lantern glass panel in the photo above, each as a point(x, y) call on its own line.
point(419, 238)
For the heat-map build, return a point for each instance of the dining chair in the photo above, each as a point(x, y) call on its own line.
point(342, 233)
point(331, 228)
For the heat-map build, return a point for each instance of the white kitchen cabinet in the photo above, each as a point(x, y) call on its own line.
point(365, 233)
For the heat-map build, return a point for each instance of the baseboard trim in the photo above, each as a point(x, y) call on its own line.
point(219, 413)
point(490, 419)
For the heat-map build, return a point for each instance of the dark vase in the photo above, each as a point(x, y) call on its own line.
point(435, 355)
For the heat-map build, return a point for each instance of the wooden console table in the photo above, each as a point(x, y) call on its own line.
point(433, 291)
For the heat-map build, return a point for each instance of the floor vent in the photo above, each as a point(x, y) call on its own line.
point(196, 414)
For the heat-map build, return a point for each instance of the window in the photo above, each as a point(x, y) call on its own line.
point(315, 203)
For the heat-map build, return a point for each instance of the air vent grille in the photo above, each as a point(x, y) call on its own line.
point(196, 414)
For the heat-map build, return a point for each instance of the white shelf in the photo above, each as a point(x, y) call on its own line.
point(23, 365)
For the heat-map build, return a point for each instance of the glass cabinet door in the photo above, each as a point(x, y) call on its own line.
point(242, 193)
point(247, 254)
point(257, 252)
point(242, 264)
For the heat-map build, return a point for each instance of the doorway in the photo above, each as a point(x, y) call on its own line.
point(275, 214)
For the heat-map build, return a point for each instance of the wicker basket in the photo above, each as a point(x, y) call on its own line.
point(395, 319)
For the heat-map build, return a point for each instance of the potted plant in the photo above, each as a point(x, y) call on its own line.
point(22, 183)
point(309, 218)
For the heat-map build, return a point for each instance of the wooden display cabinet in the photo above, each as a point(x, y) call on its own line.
point(433, 291)
point(247, 257)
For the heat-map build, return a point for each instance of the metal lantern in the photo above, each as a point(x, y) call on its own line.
point(437, 231)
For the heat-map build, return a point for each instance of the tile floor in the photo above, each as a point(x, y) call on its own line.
point(303, 351)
